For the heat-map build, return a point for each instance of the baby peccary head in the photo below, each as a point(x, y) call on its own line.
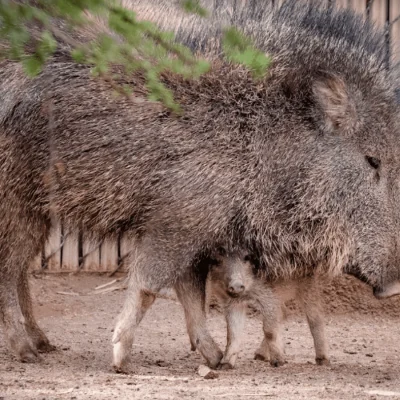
point(232, 273)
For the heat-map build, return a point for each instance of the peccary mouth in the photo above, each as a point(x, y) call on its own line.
point(390, 290)
point(234, 295)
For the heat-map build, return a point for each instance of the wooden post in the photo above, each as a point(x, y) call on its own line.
point(359, 6)
point(109, 255)
point(91, 254)
point(127, 244)
point(395, 30)
point(53, 248)
point(379, 12)
point(70, 252)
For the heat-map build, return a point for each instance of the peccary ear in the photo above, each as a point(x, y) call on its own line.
point(334, 102)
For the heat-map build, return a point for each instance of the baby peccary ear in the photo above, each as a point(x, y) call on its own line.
point(337, 107)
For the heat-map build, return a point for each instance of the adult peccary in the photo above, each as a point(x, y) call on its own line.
point(300, 168)
point(233, 285)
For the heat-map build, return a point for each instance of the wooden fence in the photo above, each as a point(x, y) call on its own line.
point(68, 252)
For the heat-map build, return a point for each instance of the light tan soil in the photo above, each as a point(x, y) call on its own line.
point(364, 340)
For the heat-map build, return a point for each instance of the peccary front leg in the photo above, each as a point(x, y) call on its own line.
point(235, 319)
point(310, 297)
point(317, 328)
point(37, 336)
point(191, 292)
point(12, 318)
point(271, 348)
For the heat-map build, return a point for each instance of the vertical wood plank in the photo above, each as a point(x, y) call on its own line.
point(359, 6)
point(109, 255)
point(341, 3)
point(70, 252)
point(379, 12)
point(91, 254)
point(395, 30)
point(127, 244)
point(52, 248)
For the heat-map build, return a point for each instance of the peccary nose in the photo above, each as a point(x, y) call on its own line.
point(236, 288)
point(389, 290)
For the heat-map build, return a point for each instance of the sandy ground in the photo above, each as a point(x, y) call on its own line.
point(363, 334)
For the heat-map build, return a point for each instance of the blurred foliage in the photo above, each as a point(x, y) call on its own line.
point(127, 42)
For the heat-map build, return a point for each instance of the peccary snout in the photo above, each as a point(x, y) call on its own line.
point(389, 290)
point(236, 287)
point(233, 273)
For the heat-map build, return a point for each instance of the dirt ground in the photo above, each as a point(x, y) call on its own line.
point(363, 334)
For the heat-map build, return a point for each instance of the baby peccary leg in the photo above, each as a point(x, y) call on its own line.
point(235, 318)
point(191, 292)
point(310, 297)
point(37, 336)
point(271, 348)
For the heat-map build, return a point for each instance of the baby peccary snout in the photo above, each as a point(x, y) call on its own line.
point(236, 288)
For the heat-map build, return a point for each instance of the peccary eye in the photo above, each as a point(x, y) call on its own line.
point(221, 251)
point(247, 258)
point(373, 162)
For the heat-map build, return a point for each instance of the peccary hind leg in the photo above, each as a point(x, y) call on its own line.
point(13, 319)
point(18, 246)
point(191, 292)
point(37, 336)
point(137, 303)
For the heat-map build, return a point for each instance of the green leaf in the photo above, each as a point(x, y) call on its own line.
point(32, 65)
point(239, 49)
point(193, 7)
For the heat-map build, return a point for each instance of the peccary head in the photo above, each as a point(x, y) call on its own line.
point(232, 272)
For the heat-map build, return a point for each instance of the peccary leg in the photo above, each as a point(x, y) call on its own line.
point(138, 301)
point(37, 336)
point(191, 292)
point(271, 348)
point(317, 328)
point(313, 309)
point(235, 319)
point(18, 246)
point(12, 318)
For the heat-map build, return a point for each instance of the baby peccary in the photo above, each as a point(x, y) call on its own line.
point(234, 285)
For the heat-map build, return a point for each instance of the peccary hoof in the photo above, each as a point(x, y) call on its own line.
point(192, 347)
point(260, 357)
point(277, 363)
point(44, 346)
point(225, 366)
point(28, 355)
point(120, 370)
point(213, 364)
point(322, 361)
